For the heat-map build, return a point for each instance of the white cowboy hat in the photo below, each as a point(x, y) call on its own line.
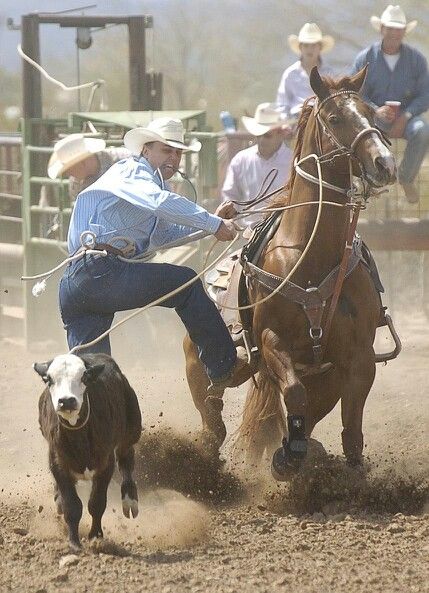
point(71, 150)
point(267, 117)
point(393, 17)
point(310, 33)
point(164, 129)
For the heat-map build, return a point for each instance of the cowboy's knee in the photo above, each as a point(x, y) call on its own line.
point(424, 132)
point(188, 273)
point(421, 133)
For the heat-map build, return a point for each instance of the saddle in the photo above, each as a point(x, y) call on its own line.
point(228, 285)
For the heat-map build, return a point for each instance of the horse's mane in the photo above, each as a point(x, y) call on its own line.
point(344, 83)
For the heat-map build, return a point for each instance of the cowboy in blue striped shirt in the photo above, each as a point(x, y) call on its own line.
point(131, 200)
point(398, 73)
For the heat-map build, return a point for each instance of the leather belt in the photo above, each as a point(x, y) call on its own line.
point(106, 247)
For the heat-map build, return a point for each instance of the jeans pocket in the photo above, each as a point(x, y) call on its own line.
point(92, 275)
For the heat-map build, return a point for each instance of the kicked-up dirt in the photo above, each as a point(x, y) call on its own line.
point(202, 526)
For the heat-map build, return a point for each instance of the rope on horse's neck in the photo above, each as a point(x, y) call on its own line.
point(303, 254)
point(69, 427)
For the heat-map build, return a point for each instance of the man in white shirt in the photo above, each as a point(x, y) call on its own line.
point(294, 87)
point(252, 170)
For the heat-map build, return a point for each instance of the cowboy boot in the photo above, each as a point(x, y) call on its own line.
point(240, 373)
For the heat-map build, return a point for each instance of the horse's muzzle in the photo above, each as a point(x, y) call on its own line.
point(385, 170)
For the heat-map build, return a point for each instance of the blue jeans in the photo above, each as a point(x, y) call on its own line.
point(417, 135)
point(94, 288)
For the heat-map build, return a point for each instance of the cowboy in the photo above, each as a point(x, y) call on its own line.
point(294, 87)
point(132, 200)
point(263, 166)
point(398, 74)
point(82, 160)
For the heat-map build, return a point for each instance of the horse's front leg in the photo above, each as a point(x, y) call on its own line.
point(280, 367)
point(361, 377)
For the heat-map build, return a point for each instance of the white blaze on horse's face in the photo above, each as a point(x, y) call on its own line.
point(379, 163)
point(64, 379)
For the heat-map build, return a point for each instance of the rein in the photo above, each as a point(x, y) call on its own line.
point(68, 426)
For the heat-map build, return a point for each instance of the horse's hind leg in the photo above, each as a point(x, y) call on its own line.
point(214, 430)
point(361, 377)
point(280, 367)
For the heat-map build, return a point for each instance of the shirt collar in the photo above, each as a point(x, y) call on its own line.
point(273, 155)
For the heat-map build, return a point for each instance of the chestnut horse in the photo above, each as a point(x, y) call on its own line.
point(339, 128)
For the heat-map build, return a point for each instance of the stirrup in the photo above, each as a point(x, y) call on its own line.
point(385, 356)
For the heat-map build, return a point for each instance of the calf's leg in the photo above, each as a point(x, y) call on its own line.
point(98, 498)
point(70, 503)
point(129, 495)
point(57, 500)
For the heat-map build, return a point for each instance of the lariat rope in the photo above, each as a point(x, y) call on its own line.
point(95, 83)
point(206, 268)
point(163, 298)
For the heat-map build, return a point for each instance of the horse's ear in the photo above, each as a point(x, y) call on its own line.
point(356, 81)
point(317, 84)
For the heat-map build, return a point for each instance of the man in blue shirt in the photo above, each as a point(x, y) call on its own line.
point(398, 73)
point(131, 204)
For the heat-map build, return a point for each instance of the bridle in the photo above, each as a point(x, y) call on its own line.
point(341, 150)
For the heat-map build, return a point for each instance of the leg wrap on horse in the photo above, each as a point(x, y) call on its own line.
point(289, 457)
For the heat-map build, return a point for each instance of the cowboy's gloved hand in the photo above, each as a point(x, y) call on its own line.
point(398, 127)
point(226, 210)
point(226, 231)
point(385, 113)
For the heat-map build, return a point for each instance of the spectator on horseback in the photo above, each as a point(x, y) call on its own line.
point(83, 160)
point(294, 87)
point(260, 168)
point(398, 74)
point(132, 204)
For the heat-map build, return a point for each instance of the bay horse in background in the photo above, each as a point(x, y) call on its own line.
point(339, 128)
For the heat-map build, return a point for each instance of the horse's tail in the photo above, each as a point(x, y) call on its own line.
point(263, 417)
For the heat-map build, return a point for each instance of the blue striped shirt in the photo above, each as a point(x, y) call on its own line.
point(128, 200)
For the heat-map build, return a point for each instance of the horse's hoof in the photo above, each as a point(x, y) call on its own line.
point(288, 459)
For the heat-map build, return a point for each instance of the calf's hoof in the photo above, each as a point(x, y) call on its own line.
point(130, 504)
point(288, 459)
point(95, 534)
point(75, 546)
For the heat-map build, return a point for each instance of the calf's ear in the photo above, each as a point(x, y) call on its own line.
point(41, 369)
point(92, 373)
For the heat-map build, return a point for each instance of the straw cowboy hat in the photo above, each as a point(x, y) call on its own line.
point(267, 117)
point(71, 150)
point(393, 17)
point(164, 129)
point(310, 33)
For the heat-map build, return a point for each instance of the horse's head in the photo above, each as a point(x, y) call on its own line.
point(346, 124)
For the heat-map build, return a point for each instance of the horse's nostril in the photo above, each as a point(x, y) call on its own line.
point(385, 167)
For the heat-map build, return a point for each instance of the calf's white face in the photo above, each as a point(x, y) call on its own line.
point(64, 376)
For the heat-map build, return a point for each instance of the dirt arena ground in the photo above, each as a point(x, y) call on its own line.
point(330, 530)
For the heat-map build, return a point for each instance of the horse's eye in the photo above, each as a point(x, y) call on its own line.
point(334, 119)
